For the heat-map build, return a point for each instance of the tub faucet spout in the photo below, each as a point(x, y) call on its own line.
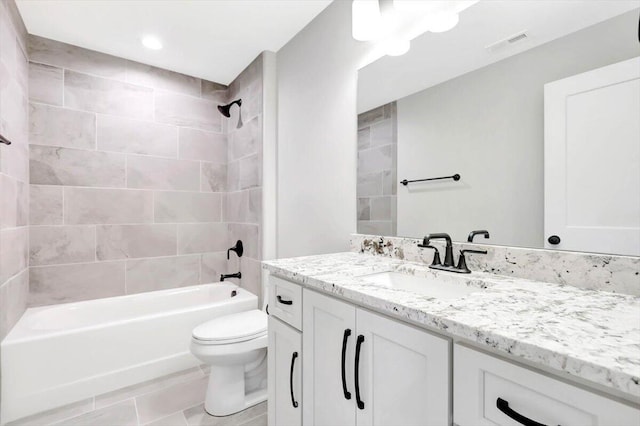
point(236, 275)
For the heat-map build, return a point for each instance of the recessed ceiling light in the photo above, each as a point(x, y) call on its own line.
point(152, 42)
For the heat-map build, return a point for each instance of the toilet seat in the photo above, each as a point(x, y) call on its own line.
point(234, 328)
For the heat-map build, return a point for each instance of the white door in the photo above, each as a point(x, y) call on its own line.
point(403, 374)
point(327, 324)
point(592, 160)
point(285, 374)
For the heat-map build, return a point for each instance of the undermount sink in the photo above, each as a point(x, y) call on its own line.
point(426, 286)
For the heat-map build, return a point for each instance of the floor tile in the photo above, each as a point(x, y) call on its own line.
point(55, 415)
point(196, 416)
point(122, 414)
point(176, 419)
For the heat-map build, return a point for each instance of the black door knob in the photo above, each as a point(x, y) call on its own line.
point(554, 239)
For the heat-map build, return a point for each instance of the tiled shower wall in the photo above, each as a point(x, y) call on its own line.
point(14, 168)
point(243, 208)
point(377, 171)
point(128, 168)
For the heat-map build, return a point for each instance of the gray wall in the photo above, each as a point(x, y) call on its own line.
point(14, 168)
point(317, 82)
point(488, 126)
point(377, 170)
point(130, 169)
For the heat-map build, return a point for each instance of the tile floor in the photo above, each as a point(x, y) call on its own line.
point(173, 400)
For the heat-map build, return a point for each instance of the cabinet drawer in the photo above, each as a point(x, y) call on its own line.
point(285, 301)
point(482, 383)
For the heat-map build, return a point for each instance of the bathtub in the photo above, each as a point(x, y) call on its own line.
point(59, 354)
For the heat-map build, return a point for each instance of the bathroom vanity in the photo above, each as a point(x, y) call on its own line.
point(357, 339)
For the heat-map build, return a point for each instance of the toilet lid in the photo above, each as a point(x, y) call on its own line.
point(237, 327)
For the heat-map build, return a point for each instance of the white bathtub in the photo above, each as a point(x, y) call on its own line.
point(59, 354)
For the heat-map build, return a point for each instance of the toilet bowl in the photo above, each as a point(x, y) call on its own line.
point(235, 348)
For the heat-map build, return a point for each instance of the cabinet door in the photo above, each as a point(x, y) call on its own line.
point(285, 374)
point(403, 374)
point(325, 322)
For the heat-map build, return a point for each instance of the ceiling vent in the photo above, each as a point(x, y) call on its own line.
point(518, 37)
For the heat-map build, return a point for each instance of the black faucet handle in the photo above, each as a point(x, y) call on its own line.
point(462, 252)
point(462, 261)
point(238, 248)
point(436, 254)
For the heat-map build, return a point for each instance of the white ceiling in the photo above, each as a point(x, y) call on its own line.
point(435, 58)
point(211, 39)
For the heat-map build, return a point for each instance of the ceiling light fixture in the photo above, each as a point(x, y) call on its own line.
point(394, 23)
point(151, 42)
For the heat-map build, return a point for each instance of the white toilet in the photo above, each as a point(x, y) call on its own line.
point(235, 348)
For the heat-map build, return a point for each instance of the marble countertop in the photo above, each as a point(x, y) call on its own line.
point(591, 335)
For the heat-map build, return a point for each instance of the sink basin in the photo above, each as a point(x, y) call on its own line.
point(426, 286)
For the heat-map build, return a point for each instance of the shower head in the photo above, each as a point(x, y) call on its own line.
point(226, 109)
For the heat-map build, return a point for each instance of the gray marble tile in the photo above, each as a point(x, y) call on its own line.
point(364, 208)
point(377, 114)
point(233, 176)
point(250, 236)
point(129, 392)
point(261, 420)
point(158, 78)
point(89, 93)
point(203, 146)
point(246, 140)
point(244, 206)
point(56, 415)
point(133, 241)
point(50, 245)
point(8, 202)
point(122, 414)
point(369, 184)
point(13, 301)
point(182, 206)
point(156, 405)
point(251, 276)
point(162, 173)
point(382, 133)
point(215, 264)
point(250, 172)
point(213, 177)
point(197, 416)
point(107, 206)
point(364, 138)
point(123, 134)
point(375, 227)
point(175, 419)
point(55, 126)
point(14, 160)
point(202, 238)
point(381, 208)
point(49, 285)
point(66, 166)
point(50, 52)
point(14, 252)
point(162, 273)
point(22, 214)
point(45, 84)
point(214, 92)
point(376, 159)
point(187, 111)
point(390, 182)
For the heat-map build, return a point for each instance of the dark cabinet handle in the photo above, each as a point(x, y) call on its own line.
point(293, 363)
point(554, 239)
point(357, 372)
point(504, 407)
point(345, 337)
point(284, 302)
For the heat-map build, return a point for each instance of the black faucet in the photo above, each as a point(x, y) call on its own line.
point(238, 248)
point(448, 254)
point(236, 275)
point(474, 233)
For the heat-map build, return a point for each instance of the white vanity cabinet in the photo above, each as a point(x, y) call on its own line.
point(285, 374)
point(365, 369)
point(490, 391)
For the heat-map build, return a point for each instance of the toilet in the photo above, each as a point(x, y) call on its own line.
point(235, 348)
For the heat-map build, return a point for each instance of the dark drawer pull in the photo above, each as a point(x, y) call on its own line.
point(357, 372)
point(345, 337)
point(293, 363)
point(504, 407)
point(284, 302)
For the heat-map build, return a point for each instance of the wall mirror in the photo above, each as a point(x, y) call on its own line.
point(534, 104)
